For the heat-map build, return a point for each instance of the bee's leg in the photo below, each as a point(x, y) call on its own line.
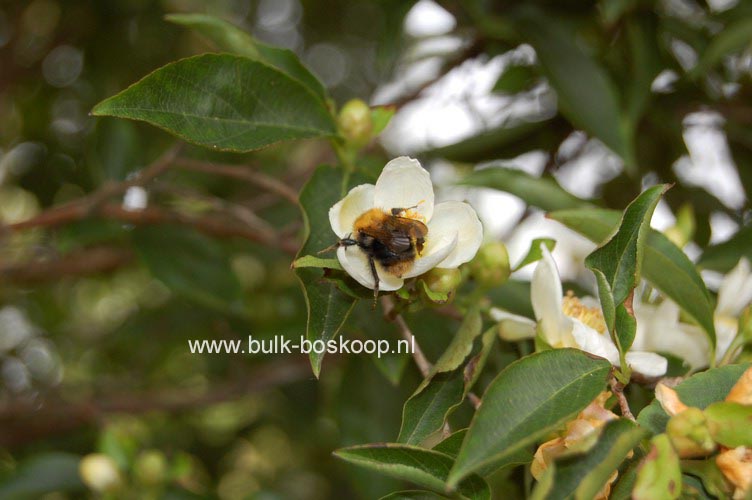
point(397, 212)
point(375, 275)
point(344, 242)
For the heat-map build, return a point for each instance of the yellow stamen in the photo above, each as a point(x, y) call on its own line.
point(591, 316)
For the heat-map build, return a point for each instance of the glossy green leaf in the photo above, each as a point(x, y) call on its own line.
point(462, 343)
point(530, 398)
point(224, 102)
point(328, 307)
point(451, 444)
point(730, 423)
point(202, 273)
point(664, 264)
point(700, 390)
point(619, 259)
point(318, 262)
point(228, 37)
point(426, 410)
point(543, 192)
point(583, 475)
point(659, 476)
point(535, 253)
point(426, 468)
point(586, 95)
point(43, 473)
point(444, 389)
point(724, 256)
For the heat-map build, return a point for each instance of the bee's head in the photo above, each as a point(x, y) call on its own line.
point(365, 240)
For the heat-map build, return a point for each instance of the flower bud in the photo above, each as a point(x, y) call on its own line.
point(100, 473)
point(355, 122)
point(689, 434)
point(440, 284)
point(150, 467)
point(490, 267)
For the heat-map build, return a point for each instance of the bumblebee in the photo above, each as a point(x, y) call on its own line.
point(390, 239)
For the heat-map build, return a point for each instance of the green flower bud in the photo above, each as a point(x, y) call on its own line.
point(689, 433)
point(490, 267)
point(443, 281)
point(355, 122)
point(100, 473)
point(150, 467)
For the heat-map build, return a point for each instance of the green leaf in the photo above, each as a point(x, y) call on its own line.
point(730, 423)
point(535, 253)
point(659, 476)
point(203, 272)
point(426, 468)
point(734, 37)
point(451, 444)
point(583, 475)
point(515, 79)
point(317, 262)
point(664, 264)
point(225, 102)
point(699, 390)
point(619, 259)
point(228, 37)
point(461, 344)
point(380, 117)
point(43, 473)
point(586, 95)
point(711, 476)
point(413, 495)
point(724, 256)
point(444, 389)
point(543, 192)
point(426, 410)
point(327, 306)
point(530, 398)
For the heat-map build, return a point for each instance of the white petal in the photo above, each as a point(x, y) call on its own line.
point(405, 184)
point(736, 290)
point(546, 295)
point(456, 217)
point(435, 251)
point(343, 214)
point(648, 364)
point(725, 331)
point(355, 262)
point(512, 327)
point(591, 341)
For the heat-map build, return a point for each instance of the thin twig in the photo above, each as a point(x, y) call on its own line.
point(618, 389)
point(79, 263)
point(27, 420)
point(420, 359)
point(242, 173)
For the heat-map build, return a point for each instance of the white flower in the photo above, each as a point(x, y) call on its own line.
point(566, 321)
point(454, 230)
point(659, 328)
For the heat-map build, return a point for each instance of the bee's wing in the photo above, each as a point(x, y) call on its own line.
point(399, 242)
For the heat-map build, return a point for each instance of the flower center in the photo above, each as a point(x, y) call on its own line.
point(591, 316)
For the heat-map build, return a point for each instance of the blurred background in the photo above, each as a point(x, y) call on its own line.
point(96, 312)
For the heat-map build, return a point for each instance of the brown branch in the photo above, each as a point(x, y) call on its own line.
point(618, 389)
point(242, 173)
point(420, 359)
point(26, 421)
point(153, 215)
point(88, 261)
